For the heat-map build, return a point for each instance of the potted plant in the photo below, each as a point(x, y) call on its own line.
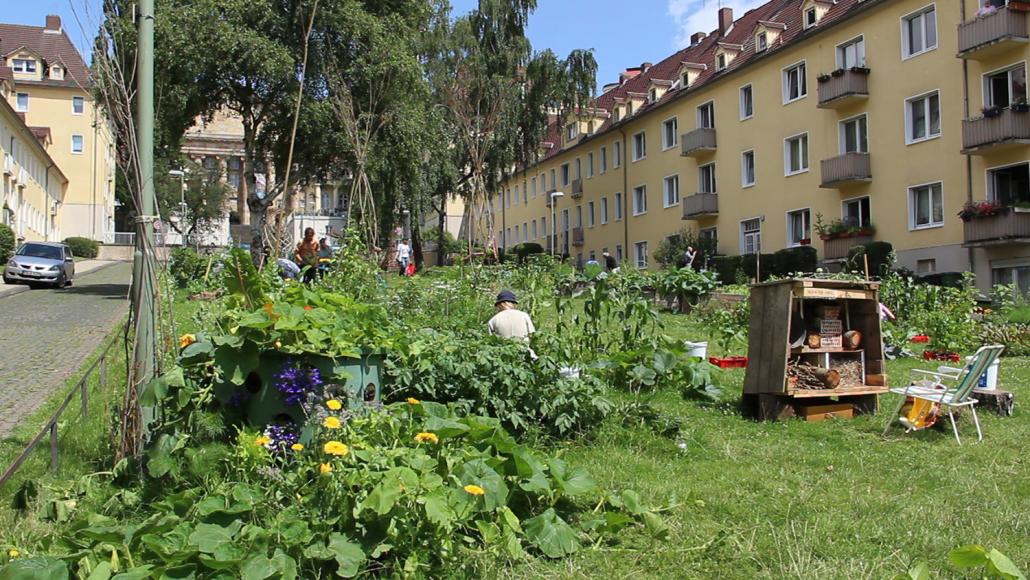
point(1020, 105)
point(823, 78)
point(862, 70)
point(980, 209)
point(991, 112)
point(805, 242)
point(837, 73)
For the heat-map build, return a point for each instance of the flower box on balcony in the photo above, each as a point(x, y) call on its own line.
point(856, 233)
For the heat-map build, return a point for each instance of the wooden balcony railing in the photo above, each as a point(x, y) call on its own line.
point(985, 133)
point(845, 169)
point(700, 205)
point(577, 188)
point(985, 36)
point(839, 248)
point(697, 142)
point(1013, 226)
point(840, 91)
point(577, 236)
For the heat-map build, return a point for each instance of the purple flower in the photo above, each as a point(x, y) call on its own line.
point(282, 437)
point(296, 380)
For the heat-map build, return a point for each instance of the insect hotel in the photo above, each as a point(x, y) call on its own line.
point(814, 350)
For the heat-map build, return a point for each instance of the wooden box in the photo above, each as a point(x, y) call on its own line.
point(824, 412)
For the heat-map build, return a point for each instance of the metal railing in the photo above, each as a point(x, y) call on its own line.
point(1010, 226)
point(984, 132)
point(840, 90)
point(698, 141)
point(847, 168)
point(700, 205)
point(979, 33)
point(81, 389)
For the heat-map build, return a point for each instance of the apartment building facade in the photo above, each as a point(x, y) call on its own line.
point(882, 117)
point(52, 89)
point(32, 185)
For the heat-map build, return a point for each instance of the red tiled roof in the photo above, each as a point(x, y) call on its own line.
point(54, 47)
point(783, 12)
point(41, 133)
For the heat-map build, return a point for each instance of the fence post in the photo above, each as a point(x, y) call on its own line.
point(103, 371)
point(53, 446)
point(84, 387)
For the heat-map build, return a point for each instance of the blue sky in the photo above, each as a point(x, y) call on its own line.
point(622, 34)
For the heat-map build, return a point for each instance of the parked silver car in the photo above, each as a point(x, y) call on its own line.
point(41, 263)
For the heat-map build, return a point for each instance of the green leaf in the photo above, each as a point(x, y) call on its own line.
point(438, 507)
point(571, 482)
point(137, 573)
point(257, 568)
point(656, 526)
point(968, 556)
point(445, 427)
point(1000, 565)
point(37, 568)
point(631, 501)
point(551, 534)
point(237, 363)
point(348, 555)
point(101, 572)
point(478, 472)
point(208, 537)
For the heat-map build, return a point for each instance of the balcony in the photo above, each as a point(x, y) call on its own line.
point(1008, 228)
point(698, 142)
point(577, 188)
point(8, 165)
point(577, 236)
point(1003, 131)
point(840, 248)
point(844, 170)
point(845, 89)
point(986, 37)
point(700, 205)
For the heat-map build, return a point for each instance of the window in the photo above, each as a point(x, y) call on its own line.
point(761, 42)
point(923, 117)
point(579, 168)
point(747, 168)
point(554, 184)
point(571, 132)
point(235, 172)
point(671, 190)
point(535, 236)
point(639, 146)
point(515, 201)
point(795, 86)
point(856, 212)
point(747, 102)
point(525, 232)
point(78, 105)
point(795, 154)
point(525, 194)
point(590, 165)
point(579, 216)
point(640, 252)
point(543, 227)
point(604, 210)
point(927, 206)
point(669, 134)
point(640, 200)
point(77, 144)
point(684, 80)
point(618, 206)
point(751, 236)
point(811, 17)
point(604, 159)
point(799, 226)
point(24, 65)
point(853, 135)
point(618, 253)
point(706, 116)
point(564, 174)
point(590, 214)
point(617, 154)
point(1009, 186)
point(652, 95)
point(532, 185)
point(851, 53)
point(22, 102)
point(709, 238)
point(1005, 87)
point(516, 238)
point(57, 73)
point(706, 179)
point(720, 61)
point(919, 32)
point(1017, 273)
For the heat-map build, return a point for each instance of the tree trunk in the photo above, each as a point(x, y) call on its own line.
point(441, 219)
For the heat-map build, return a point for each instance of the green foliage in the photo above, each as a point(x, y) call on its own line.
point(995, 564)
point(654, 367)
point(524, 250)
point(793, 261)
point(729, 323)
point(727, 268)
point(670, 251)
point(83, 247)
point(685, 284)
point(7, 243)
point(945, 314)
point(186, 266)
point(881, 258)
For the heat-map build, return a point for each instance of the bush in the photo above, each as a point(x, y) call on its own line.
point(186, 266)
point(524, 250)
point(789, 261)
point(749, 264)
point(726, 268)
point(881, 258)
point(671, 250)
point(7, 243)
point(83, 247)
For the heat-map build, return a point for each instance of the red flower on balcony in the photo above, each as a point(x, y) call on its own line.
point(981, 209)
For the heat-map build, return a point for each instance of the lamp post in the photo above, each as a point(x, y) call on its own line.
point(554, 219)
point(181, 174)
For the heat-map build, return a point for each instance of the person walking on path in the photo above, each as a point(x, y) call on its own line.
point(510, 322)
point(307, 254)
point(403, 256)
point(609, 262)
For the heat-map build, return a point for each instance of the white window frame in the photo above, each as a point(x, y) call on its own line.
point(637, 210)
point(700, 117)
point(909, 140)
point(532, 181)
point(764, 44)
point(674, 178)
point(27, 62)
point(618, 205)
point(641, 152)
point(617, 154)
point(571, 131)
point(987, 98)
point(751, 90)
point(79, 100)
point(604, 210)
point(17, 102)
point(604, 159)
point(839, 53)
point(590, 214)
point(912, 226)
point(743, 169)
point(82, 140)
point(805, 24)
point(666, 144)
point(788, 214)
point(844, 204)
point(720, 61)
point(841, 133)
point(566, 174)
point(743, 236)
point(590, 165)
point(701, 185)
point(906, 52)
point(786, 155)
point(640, 263)
point(803, 79)
point(989, 183)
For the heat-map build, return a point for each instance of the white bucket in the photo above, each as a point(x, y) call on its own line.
point(989, 380)
point(696, 349)
point(569, 372)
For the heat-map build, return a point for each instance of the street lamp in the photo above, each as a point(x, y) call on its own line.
point(554, 219)
point(181, 174)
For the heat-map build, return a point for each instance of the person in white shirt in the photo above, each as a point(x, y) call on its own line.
point(510, 322)
point(403, 255)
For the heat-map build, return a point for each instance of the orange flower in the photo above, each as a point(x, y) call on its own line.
point(474, 490)
point(325, 468)
point(414, 401)
point(308, 307)
point(186, 340)
point(427, 437)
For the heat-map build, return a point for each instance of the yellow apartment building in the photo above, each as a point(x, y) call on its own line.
point(884, 116)
point(32, 185)
point(52, 89)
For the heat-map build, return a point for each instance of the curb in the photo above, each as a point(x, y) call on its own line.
point(20, 288)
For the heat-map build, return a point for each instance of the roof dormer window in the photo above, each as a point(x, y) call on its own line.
point(761, 42)
point(811, 17)
point(572, 131)
point(24, 65)
point(57, 73)
point(652, 95)
point(720, 61)
point(689, 71)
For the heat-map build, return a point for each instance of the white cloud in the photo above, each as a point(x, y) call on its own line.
point(692, 16)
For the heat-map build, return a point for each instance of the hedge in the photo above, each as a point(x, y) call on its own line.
point(83, 247)
point(783, 263)
point(881, 257)
point(7, 243)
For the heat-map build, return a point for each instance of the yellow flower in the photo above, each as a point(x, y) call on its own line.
point(262, 440)
point(414, 401)
point(331, 423)
point(325, 468)
point(297, 447)
point(13, 553)
point(427, 437)
point(186, 340)
point(336, 448)
point(278, 344)
point(474, 489)
point(334, 405)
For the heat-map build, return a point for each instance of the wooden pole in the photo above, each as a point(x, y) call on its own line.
point(865, 258)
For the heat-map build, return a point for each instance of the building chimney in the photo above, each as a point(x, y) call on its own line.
point(725, 20)
point(53, 23)
point(696, 38)
point(645, 66)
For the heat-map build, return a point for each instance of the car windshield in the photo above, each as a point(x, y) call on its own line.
point(40, 251)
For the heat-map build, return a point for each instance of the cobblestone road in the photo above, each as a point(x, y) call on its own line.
point(45, 335)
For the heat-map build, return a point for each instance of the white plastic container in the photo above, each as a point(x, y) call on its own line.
point(569, 372)
point(696, 349)
point(988, 380)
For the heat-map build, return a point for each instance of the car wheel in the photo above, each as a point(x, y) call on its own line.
point(61, 281)
point(9, 281)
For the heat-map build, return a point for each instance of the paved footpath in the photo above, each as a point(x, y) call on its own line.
point(45, 335)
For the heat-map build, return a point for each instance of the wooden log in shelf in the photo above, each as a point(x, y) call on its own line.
point(806, 350)
point(838, 392)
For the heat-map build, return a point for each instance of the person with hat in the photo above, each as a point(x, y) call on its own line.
point(510, 322)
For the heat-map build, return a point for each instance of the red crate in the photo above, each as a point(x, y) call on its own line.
point(920, 338)
point(730, 362)
point(941, 356)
